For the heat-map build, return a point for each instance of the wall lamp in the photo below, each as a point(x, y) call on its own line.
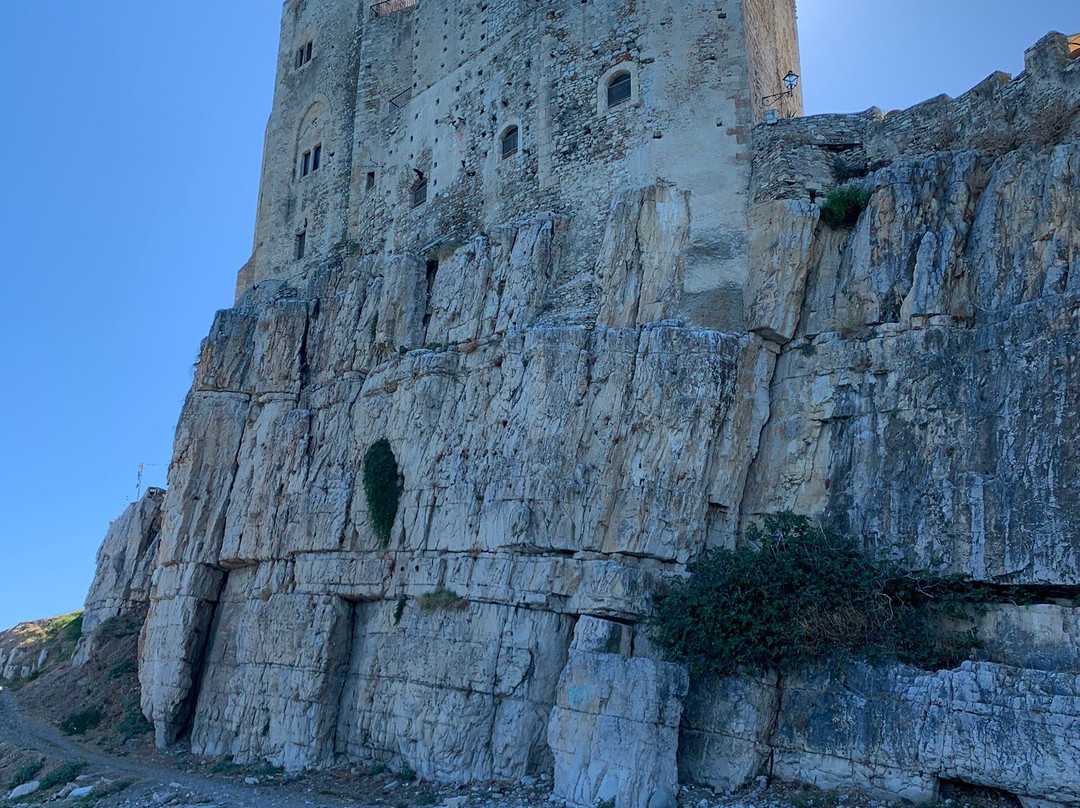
point(791, 81)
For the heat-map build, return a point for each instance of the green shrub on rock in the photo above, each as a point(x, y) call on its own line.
point(381, 487)
point(843, 205)
point(793, 594)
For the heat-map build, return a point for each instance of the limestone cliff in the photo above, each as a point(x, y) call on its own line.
point(564, 440)
point(121, 586)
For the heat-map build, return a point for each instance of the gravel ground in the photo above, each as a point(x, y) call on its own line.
point(139, 776)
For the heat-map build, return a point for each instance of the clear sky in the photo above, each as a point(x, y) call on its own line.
point(132, 133)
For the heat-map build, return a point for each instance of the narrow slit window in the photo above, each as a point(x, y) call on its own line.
point(419, 194)
point(370, 181)
point(619, 89)
point(303, 54)
point(509, 142)
point(300, 244)
point(305, 164)
point(316, 158)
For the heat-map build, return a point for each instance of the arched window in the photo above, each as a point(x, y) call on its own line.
point(419, 193)
point(311, 147)
point(508, 141)
point(619, 88)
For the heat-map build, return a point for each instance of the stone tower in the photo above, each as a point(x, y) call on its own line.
point(405, 126)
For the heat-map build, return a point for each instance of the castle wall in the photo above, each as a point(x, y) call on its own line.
point(801, 158)
point(313, 105)
point(438, 84)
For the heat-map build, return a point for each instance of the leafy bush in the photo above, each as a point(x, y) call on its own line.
point(381, 488)
point(81, 722)
point(608, 803)
point(440, 599)
point(399, 609)
point(375, 769)
point(843, 205)
point(406, 775)
point(24, 774)
point(62, 775)
point(794, 594)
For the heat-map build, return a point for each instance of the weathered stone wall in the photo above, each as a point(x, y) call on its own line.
point(801, 158)
point(436, 84)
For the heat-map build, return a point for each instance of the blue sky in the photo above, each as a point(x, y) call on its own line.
point(133, 131)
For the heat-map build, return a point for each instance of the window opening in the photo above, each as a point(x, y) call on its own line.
point(619, 89)
point(509, 142)
point(419, 194)
point(370, 181)
point(305, 164)
point(303, 54)
point(316, 158)
point(300, 245)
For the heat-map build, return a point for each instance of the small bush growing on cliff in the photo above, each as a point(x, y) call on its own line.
point(381, 488)
point(794, 594)
point(442, 599)
point(843, 205)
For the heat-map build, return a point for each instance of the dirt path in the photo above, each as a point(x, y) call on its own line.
point(152, 781)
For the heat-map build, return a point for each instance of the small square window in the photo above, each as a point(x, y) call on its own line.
point(305, 164)
point(316, 158)
point(300, 245)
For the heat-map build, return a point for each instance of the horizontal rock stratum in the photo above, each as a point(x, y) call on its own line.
point(570, 424)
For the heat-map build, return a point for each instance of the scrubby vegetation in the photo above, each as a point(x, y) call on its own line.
point(25, 773)
point(794, 594)
point(381, 487)
point(61, 775)
point(442, 599)
point(843, 206)
point(81, 722)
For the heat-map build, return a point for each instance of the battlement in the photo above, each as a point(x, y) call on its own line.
point(798, 158)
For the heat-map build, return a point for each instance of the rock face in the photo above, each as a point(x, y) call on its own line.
point(921, 401)
point(550, 470)
point(564, 441)
point(124, 566)
point(895, 731)
point(612, 708)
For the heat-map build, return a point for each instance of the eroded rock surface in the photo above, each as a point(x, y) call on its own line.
point(124, 568)
point(564, 442)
